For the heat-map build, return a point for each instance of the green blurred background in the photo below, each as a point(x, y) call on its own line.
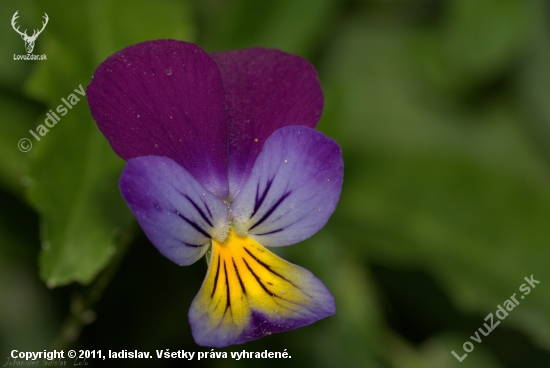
point(442, 110)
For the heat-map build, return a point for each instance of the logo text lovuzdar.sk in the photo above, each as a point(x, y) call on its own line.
point(29, 40)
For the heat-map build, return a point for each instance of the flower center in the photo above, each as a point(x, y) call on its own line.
point(220, 232)
point(238, 226)
point(232, 241)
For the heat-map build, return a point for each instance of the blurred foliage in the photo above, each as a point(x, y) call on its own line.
point(78, 197)
point(442, 109)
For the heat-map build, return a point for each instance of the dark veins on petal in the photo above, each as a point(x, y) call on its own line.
point(216, 278)
point(248, 260)
point(193, 224)
point(272, 232)
point(199, 210)
point(258, 201)
point(193, 245)
point(238, 276)
point(258, 279)
point(228, 302)
point(268, 267)
point(270, 211)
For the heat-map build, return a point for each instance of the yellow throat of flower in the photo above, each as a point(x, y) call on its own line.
point(243, 276)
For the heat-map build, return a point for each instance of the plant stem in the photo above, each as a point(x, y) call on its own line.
point(83, 301)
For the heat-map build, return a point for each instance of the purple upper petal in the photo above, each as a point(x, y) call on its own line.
point(165, 98)
point(293, 188)
point(174, 210)
point(265, 90)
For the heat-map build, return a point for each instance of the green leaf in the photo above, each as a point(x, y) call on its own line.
point(436, 353)
point(352, 336)
point(278, 24)
point(534, 79)
point(18, 113)
point(117, 24)
point(479, 39)
point(435, 183)
point(26, 312)
point(74, 172)
point(18, 116)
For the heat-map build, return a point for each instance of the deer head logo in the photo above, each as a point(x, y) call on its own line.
point(29, 40)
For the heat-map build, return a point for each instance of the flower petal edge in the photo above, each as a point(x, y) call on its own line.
point(293, 189)
point(265, 89)
point(174, 210)
point(249, 292)
point(165, 98)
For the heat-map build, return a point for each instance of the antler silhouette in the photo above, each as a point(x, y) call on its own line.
point(29, 40)
point(43, 26)
point(15, 16)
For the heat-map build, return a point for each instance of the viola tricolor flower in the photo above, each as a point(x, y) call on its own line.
point(222, 155)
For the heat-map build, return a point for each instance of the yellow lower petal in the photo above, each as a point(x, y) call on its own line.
point(250, 292)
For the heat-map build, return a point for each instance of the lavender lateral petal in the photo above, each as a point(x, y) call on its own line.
point(266, 89)
point(293, 189)
point(165, 98)
point(174, 210)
